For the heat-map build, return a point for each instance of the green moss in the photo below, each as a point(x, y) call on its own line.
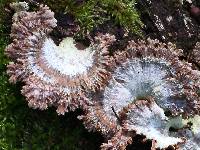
point(88, 14)
point(91, 13)
point(124, 13)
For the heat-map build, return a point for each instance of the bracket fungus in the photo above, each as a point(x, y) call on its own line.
point(145, 70)
point(54, 75)
point(141, 90)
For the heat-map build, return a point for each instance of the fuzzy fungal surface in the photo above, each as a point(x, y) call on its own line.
point(149, 87)
point(54, 75)
point(143, 90)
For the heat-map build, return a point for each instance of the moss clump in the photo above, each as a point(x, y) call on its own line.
point(124, 13)
point(91, 13)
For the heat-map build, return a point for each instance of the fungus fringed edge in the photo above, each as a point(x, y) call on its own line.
point(27, 25)
point(98, 117)
point(95, 119)
point(45, 83)
point(100, 73)
point(184, 74)
point(27, 32)
point(118, 142)
point(153, 125)
point(121, 134)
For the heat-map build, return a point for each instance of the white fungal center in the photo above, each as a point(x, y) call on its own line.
point(66, 58)
point(139, 79)
point(152, 123)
